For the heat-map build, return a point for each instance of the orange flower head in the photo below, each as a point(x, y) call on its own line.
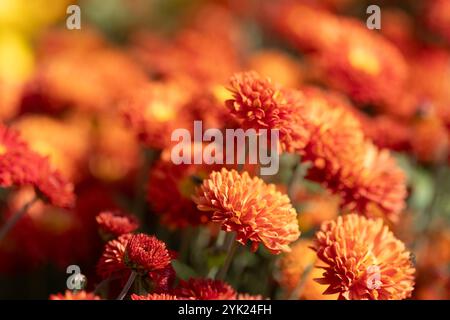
point(79, 295)
point(251, 208)
point(380, 186)
point(146, 253)
point(362, 259)
point(205, 289)
point(346, 163)
point(260, 104)
point(116, 223)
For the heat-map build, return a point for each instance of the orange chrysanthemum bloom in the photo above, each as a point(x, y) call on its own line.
point(146, 253)
point(116, 223)
point(363, 260)
point(297, 273)
point(205, 289)
point(251, 208)
point(155, 296)
point(379, 189)
point(260, 104)
point(79, 295)
point(367, 179)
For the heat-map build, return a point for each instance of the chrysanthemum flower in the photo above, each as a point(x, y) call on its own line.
point(155, 296)
point(297, 273)
point(52, 186)
point(346, 163)
point(79, 295)
point(251, 208)
point(260, 104)
point(362, 259)
point(205, 289)
point(21, 166)
point(111, 261)
point(146, 253)
point(116, 223)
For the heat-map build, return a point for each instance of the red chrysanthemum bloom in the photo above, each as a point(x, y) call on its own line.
point(115, 223)
point(79, 295)
point(53, 188)
point(111, 262)
point(205, 289)
point(21, 166)
point(260, 104)
point(251, 208)
point(155, 296)
point(146, 253)
point(362, 259)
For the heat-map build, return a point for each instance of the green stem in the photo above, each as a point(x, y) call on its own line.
point(230, 254)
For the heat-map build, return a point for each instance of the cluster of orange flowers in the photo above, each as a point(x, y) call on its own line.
point(86, 173)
